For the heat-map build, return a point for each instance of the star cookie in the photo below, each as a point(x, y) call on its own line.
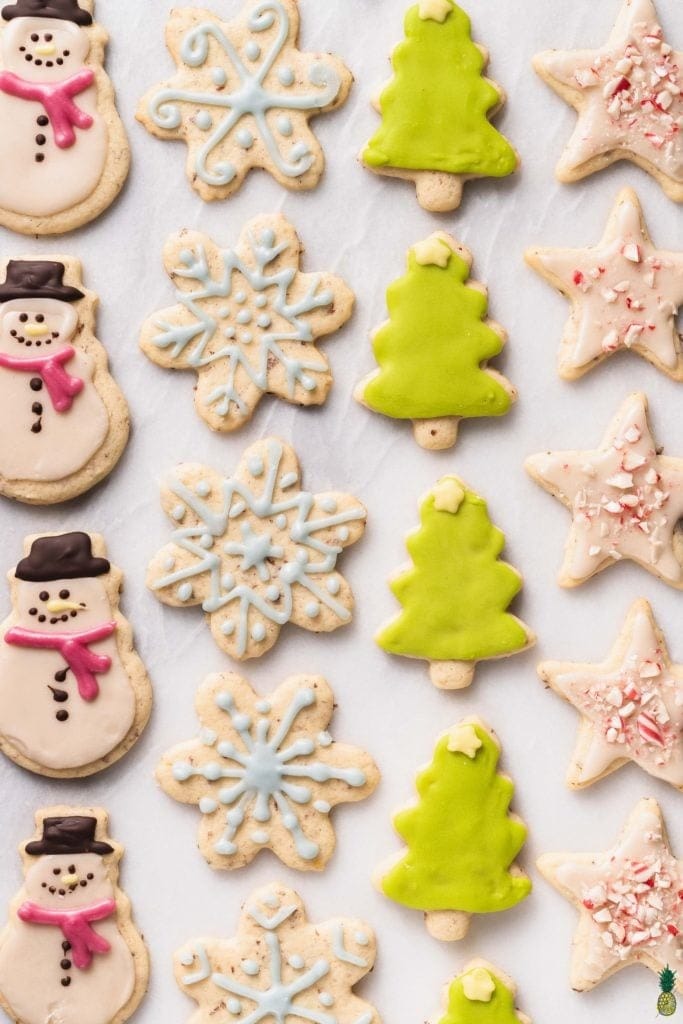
point(265, 773)
point(628, 97)
point(625, 294)
point(242, 97)
point(625, 499)
point(629, 899)
point(631, 705)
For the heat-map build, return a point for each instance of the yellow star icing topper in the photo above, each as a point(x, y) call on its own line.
point(434, 250)
point(478, 985)
point(448, 495)
point(437, 10)
point(463, 739)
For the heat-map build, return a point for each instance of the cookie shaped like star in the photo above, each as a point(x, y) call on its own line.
point(255, 550)
point(625, 294)
point(631, 705)
point(246, 321)
point(242, 97)
point(265, 772)
point(628, 97)
point(280, 966)
point(629, 899)
point(625, 499)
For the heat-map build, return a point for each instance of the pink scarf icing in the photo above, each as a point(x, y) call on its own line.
point(56, 98)
point(61, 386)
point(75, 925)
point(73, 647)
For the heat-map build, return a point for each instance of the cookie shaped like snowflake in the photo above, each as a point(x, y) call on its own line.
point(255, 550)
point(246, 321)
point(280, 967)
point(265, 772)
point(242, 97)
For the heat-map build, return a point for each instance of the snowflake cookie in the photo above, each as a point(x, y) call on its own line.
point(242, 97)
point(628, 898)
point(625, 498)
point(255, 550)
point(280, 967)
point(286, 774)
point(631, 705)
point(625, 294)
point(628, 97)
point(246, 321)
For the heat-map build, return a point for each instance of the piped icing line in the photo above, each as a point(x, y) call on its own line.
point(625, 499)
point(85, 664)
point(628, 897)
point(57, 101)
point(62, 387)
point(76, 927)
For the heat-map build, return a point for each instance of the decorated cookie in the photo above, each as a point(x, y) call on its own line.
point(255, 550)
point(246, 321)
point(279, 966)
point(625, 294)
point(63, 421)
point(461, 839)
point(434, 350)
point(456, 593)
point(628, 97)
point(65, 152)
point(628, 898)
point(625, 499)
point(435, 129)
point(286, 773)
point(481, 994)
point(242, 97)
point(70, 951)
point(74, 695)
point(631, 705)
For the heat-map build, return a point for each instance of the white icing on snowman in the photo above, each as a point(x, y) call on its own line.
point(47, 713)
point(41, 437)
point(39, 977)
point(54, 150)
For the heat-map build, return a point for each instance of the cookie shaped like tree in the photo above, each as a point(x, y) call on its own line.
point(433, 350)
point(435, 127)
point(461, 839)
point(456, 593)
point(481, 994)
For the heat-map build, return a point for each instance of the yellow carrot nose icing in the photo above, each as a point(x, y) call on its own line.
point(68, 880)
point(48, 50)
point(57, 606)
point(35, 330)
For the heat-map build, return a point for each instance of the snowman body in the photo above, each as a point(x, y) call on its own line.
point(37, 441)
point(40, 982)
point(41, 178)
point(42, 713)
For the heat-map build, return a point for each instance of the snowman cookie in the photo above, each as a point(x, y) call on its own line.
point(74, 695)
point(243, 95)
point(70, 951)
point(65, 154)
point(63, 421)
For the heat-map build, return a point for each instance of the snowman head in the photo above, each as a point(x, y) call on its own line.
point(37, 315)
point(61, 585)
point(45, 40)
point(68, 867)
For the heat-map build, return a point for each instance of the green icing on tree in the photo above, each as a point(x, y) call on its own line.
point(456, 593)
point(434, 110)
point(500, 1009)
point(430, 351)
point(461, 840)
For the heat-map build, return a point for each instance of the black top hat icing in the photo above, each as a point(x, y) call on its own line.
point(75, 834)
point(67, 556)
point(65, 10)
point(37, 279)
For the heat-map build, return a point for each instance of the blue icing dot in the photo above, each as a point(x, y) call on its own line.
point(203, 488)
point(361, 938)
point(218, 76)
point(228, 581)
point(245, 138)
point(240, 297)
point(182, 771)
point(296, 961)
point(184, 591)
point(235, 1006)
point(206, 540)
point(203, 120)
point(227, 628)
point(329, 505)
point(178, 513)
point(168, 563)
point(313, 609)
point(246, 337)
point(284, 126)
point(281, 521)
point(224, 701)
point(250, 967)
point(326, 999)
point(212, 771)
point(258, 632)
point(333, 585)
point(224, 312)
point(343, 533)
point(264, 321)
point(260, 301)
point(252, 50)
point(255, 465)
point(307, 382)
point(272, 593)
point(244, 316)
point(229, 332)
point(286, 76)
point(299, 149)
point(263, 707)
point(226, 749)
point(207, 805)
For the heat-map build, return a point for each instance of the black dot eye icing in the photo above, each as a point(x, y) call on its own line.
point(90, 877)
point(56, 871)
point(44, 596)
point(64, 594)
point(72, 869)
point(23, 318)
point(34, 37)
point(48, 37)
point(40, 319)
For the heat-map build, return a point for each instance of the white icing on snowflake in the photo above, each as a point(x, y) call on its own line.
point(251, 966)
point(253, 545)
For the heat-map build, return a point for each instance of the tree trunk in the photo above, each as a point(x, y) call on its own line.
point(436, 434)
point(438, 191)
point(451, 675)
point(447, 925)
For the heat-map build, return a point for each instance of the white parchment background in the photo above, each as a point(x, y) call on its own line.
point(360, 226)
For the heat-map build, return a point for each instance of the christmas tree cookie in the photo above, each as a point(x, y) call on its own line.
point(481, 994)
point(435, 111)
point(433, 351)
point(461, 839)
point(456, 593)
